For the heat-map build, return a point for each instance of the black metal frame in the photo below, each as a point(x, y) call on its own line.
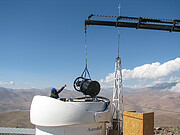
point(138, 23)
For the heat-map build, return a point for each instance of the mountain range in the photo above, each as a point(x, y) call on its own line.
point(158, 98)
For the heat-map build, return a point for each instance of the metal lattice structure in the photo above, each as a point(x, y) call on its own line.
point(118, 92)
point(118, 97)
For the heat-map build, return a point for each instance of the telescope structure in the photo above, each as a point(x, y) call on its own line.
point(80, 116)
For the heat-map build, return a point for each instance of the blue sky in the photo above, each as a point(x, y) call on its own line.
point(42, 42)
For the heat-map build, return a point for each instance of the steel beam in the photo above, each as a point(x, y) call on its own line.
point(141, 25)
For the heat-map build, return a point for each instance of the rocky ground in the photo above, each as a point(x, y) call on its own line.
point(167, 130)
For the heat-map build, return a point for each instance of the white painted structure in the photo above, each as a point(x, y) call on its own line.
point(72, 117)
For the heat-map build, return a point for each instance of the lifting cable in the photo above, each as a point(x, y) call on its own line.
point(85, 44)
point(85, 70)
point(118, 32)
point(118, 40)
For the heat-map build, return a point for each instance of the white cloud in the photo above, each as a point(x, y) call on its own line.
point(3, 83)
point(11, 83)
point(105, 84)
point(6, 83)
point(176, 88)
point(158, 81)
point(174, 79)
point(109, 79)
point(154, 71)
point(26, 83)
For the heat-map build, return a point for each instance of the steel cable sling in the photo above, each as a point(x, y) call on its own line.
point(85, 70)
point(79, 81)
point(84, 83)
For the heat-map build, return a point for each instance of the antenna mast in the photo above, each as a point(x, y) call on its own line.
point(118, 92)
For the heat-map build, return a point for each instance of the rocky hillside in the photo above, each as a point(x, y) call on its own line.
point(20, 99)
point(17, 119)
point(164, 103)
point(166, 130)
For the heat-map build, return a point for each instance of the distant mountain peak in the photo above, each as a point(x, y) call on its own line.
point(162, 86)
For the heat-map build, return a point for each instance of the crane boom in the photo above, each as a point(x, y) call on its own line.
point(138, 23)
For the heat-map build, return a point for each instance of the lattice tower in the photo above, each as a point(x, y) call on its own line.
point(118, 96)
